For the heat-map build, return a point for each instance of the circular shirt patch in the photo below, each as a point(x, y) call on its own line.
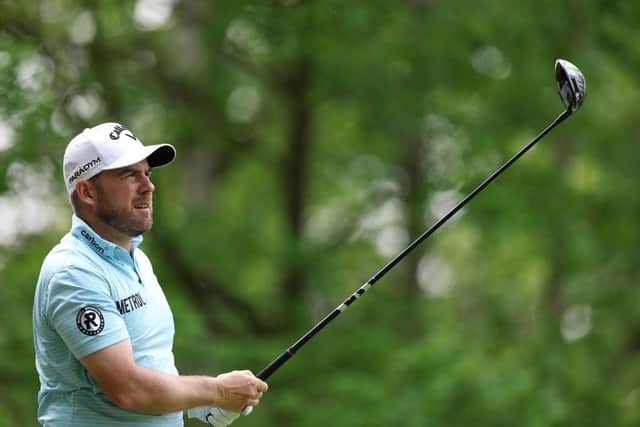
point(90, 320)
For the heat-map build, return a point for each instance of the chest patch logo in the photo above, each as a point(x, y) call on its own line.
point(90, 320)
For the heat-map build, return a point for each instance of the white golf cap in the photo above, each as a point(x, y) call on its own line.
point(108, 146)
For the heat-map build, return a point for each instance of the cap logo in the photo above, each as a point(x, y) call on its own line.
point(118, 129)
point(82, 169)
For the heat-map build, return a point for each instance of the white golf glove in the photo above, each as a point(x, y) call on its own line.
point(213, 415)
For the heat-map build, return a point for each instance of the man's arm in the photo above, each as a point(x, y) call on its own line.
point(138, 389)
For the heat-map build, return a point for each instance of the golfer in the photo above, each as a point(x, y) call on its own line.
point(103, 330)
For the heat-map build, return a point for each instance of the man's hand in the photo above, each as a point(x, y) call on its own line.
point(239, 389)
point(236, 390)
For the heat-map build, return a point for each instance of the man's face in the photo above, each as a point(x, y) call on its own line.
point(125, 198)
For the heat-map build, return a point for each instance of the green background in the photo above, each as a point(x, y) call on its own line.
point(315, 140)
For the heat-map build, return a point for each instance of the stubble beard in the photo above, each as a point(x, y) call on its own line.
point(124, 220)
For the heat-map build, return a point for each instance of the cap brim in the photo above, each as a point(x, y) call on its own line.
point(156, 155)
point(162, 155)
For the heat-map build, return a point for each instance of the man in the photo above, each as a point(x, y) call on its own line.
point(103, 330)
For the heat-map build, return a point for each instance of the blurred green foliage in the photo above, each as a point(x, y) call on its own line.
point(315, 139)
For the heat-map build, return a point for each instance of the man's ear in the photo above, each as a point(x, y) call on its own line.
point(87, 193)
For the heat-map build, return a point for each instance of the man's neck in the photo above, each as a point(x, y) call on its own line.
point(107, 232)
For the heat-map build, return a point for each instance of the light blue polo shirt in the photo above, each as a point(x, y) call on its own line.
point(91, 294)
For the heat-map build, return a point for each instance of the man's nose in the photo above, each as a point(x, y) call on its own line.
point(147, 184)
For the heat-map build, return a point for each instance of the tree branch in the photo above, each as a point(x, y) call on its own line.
point(207, 293)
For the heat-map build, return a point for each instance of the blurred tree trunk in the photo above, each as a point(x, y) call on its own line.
point(412, 161)
point(294, 172)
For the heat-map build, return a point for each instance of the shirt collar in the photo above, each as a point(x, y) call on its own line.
point(83, 232)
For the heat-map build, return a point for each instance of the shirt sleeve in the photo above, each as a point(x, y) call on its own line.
point(82, 311)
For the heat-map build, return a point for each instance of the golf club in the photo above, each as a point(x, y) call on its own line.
point(572, 89)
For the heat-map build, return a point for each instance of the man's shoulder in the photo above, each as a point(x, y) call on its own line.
point(70, 255)
point(67, 268)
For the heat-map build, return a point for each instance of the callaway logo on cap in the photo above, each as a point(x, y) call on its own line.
point(108, 146)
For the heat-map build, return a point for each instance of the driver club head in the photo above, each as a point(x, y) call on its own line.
point(572, 86)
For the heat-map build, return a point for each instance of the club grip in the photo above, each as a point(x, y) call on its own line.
point(275, 364)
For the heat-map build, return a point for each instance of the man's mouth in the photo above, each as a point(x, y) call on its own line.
point(142, 206)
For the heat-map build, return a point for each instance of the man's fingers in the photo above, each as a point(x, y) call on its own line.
point(262, 386)
point(241, 389)
point(255, 398)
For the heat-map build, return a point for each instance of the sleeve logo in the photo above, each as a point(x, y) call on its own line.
point(90, 320)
